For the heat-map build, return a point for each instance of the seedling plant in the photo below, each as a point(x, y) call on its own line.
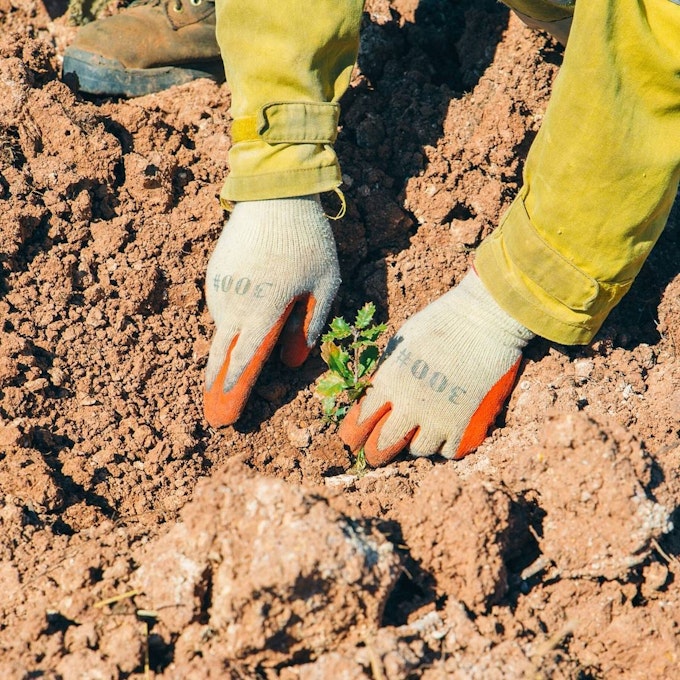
point(351, 353)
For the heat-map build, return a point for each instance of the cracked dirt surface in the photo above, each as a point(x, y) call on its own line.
point(132, 530)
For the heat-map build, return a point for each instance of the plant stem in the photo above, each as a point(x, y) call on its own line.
point(359, 467)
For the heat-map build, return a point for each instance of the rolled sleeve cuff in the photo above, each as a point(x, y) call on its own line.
point(260, 171)
point(540, 288)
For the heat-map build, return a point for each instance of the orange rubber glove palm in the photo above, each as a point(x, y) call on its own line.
point(272, 276)
point(442, 381)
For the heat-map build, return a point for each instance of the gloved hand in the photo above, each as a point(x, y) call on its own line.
point(273, 274)
point(442, 380)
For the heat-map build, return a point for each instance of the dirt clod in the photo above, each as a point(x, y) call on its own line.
point(130, 528)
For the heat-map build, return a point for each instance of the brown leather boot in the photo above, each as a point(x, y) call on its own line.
point(149, 46)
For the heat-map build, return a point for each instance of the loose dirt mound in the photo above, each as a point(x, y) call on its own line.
point(135, 535)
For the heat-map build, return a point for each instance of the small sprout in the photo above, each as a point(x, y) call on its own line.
point(351, 353)
point(359, 467)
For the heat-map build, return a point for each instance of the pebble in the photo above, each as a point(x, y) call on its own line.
point(583, 369)
point(299, 437)
point(37, 385)
point(656, 577)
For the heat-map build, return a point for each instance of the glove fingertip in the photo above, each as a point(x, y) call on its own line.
point(294, 346)
point(351, 432)
point(376, 456)
point(487, 411)
point(225, 408)
point(295, 351)
point(222, 408)
point(355, 431)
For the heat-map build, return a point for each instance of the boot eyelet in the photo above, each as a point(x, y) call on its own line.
point(195, 3)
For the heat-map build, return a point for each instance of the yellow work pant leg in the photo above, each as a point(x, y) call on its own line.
point(287, 65)
point(601, 176)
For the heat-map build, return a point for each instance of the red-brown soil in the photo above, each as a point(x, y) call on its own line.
point(132, 530)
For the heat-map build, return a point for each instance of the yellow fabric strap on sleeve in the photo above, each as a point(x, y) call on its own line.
point(290, 123)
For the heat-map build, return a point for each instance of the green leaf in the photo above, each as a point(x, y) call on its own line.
point(341, 412)
point(328, 404)
point(337, 360)
point(365, 315)
point(351, 355)
point(373, 332)
point(367, 360)
point(340, 329)
point(355, 393)
point(330, 385)
point(327, 348)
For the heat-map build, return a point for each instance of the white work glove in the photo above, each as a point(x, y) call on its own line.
point(273, 275)
point(442, 380)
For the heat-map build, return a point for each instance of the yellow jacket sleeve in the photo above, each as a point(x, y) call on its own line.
point(287, 64)
point(601, 176)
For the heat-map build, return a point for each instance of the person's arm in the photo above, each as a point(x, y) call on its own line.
point(601, 176)
point(274, 271)
point(599, 183)
point(287, 65)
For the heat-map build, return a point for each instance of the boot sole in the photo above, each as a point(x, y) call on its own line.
point(92, 73)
